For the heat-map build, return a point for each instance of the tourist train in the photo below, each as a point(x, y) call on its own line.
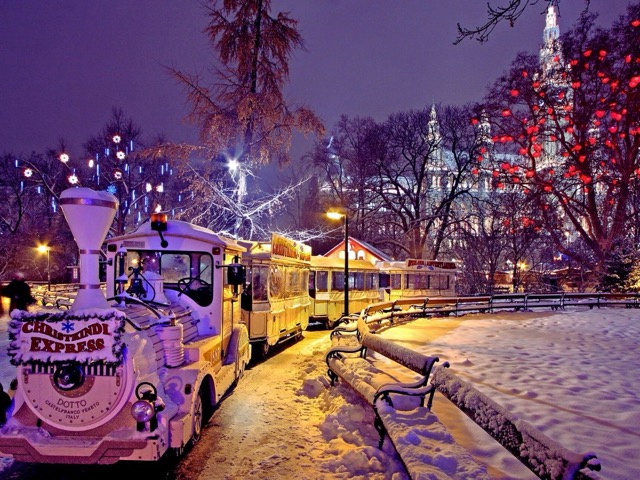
point(134, 374)
point(287, 287)
point(134, 370)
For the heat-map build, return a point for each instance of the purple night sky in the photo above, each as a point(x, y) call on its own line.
point(65, 64)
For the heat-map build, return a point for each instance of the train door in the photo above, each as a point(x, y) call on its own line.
point(321, 284)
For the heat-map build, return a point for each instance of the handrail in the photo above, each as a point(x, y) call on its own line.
point(392, 311)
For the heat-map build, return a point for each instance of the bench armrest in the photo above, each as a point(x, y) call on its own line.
point(340, 349)
point(419, 389)
point(344, 329)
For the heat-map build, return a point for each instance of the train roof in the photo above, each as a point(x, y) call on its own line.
point(426, 265)
point(318, 261)
point(178, 228)
point(283, 249)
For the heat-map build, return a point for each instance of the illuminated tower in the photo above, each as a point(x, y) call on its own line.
point(554, 79)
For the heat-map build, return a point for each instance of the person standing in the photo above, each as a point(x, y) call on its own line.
point(19, 293)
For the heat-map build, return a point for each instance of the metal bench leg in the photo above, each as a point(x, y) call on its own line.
point(332, 376)
point(381, 430)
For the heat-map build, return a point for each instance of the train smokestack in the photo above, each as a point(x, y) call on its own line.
point(89, 215)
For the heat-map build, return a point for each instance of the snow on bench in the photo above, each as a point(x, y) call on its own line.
point(351, 364)
point(349, 334)
point(425, 447)
point(542, 455)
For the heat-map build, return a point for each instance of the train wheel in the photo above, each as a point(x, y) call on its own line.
point(198, 417)
point(240, 370)
point(263, 349)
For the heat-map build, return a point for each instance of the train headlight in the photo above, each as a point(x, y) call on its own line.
point(142, 411)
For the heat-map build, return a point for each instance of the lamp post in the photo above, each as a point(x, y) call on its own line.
point(337, 216)
point(46, 249)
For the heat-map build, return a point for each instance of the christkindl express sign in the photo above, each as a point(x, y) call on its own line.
point(66, 337)
point(286, 247)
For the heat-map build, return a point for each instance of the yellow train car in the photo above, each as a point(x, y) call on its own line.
point(275, 302)
point(417, 278)
point(326, 288)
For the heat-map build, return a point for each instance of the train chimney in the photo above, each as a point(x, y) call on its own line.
point(89, 215)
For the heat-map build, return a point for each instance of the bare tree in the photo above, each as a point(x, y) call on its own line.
point(509, 13)
point(120, 161)
point(347, 160)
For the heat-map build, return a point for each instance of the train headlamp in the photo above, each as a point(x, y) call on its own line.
point(142, 411)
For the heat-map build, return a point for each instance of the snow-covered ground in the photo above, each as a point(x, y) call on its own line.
point(573, 374)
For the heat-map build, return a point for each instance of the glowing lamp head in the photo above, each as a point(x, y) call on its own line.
point(120, 155)
point(159, 222)
point(335, 215)
point(233, 165)
point(64, 158)
point(28, 172)
point(116, 139)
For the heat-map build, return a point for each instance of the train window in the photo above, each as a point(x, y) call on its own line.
point(322, 281)
point(410, 281)
point(175, 266)
point(259, 282)
point(358, 281)
point(371, 281)
point(276, 282)
point(440, 282)
point(396, 281)
point(293, 281)
point(205, 268)
point(337, 280)
point(417, 281)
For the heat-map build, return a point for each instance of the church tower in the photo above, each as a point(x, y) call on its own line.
point(555, 80)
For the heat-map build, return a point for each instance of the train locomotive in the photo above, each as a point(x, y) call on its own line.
point(135, 372)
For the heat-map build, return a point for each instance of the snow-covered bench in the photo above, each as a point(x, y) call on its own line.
point(349, 334)
point(350, 363)
point(542, 455)
point(426, 448)
point(397, 404)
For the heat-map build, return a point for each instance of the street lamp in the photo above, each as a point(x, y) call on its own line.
point(334, 215)
point(46, 249)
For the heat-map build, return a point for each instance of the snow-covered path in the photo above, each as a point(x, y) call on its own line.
point(268, 427)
